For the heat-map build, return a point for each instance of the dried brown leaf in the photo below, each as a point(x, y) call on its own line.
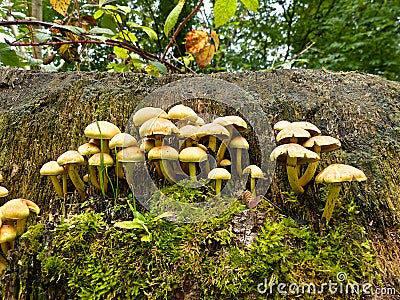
point(196, 40)
point(204, 57)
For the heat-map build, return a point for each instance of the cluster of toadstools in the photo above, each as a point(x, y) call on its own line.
point(301, 143)
point(13, 216)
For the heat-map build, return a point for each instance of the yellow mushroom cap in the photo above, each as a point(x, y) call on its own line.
point(293, 150)
point(157, 126)
point(3, 191)
point(8, 233)
point(130, 154)
point(88, 149)
point(147, 113)
point(187, 131)
point(239, 142)
point(225, 162)
point(70, 157)
point(17, 209)
point(254, 171)
point(163, 152)
point(122, 140)
point(327, 143)
point(193, 154)
point(219, 173)
point(212, 129)
point(107, 130)
point(281, 125)
point(147, 144)
point(289, 132)
point(340, 173)
point(236, 121)
point(51, 168)
point(311, 128)
point(180, 111)
point(95, 159)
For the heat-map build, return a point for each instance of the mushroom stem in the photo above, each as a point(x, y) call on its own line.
point(218, 185)
point(311, 168)
point(239, 161)
point(77, 181)
point(291, 169)
point(253, 186)
point(212, 143)
point(65, 184)
point(159, 171)
point(5, 247)
point(104, 146)
point(57, 186)
point(21, 224)
point(165, 170)
point(93, 177)
point(192, 171)
point(333, 194)
point(221, 151)
point(120, 171)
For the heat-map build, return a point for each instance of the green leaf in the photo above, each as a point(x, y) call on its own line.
point(73, 29)
point(98, 30)
point(172, 18)
point(150, 32)
point(223, 11)
point(121, 52)
point(98, 14)
point(134, 224)
point(124, 9)
point(251, 4)
point(127, 36)
point(111, 7)
point(163, 215)
point(107, 21)
point(146, 238)
point(8, 56)
point(160, 67)
point(139, 216)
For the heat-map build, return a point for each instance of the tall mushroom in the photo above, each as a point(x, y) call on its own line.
point(318, 144)
point(211, 132)
point(147, 113)
point(119, 141)
point(52, 169)
point(291, 155)
point(192, 155)
point(182, 113)
point(239, 143)
point(255, 173)
point(158, 128)
point(128, 157)
point(69, 160)
point(334, 175)
point(18, 209)
point(162, 155)
point(102, 161)
point(87, 150)
point(103, 131)
point(219, 174)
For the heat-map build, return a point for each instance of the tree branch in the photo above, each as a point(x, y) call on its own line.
point(172, 40)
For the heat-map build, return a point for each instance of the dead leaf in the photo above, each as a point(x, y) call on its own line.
point(60, 6)
point(215, 38)
point(205, 56)
point(196, 40)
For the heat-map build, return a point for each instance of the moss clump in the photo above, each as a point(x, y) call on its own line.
point(86, 258)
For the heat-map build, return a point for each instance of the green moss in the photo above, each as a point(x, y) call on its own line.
point(85, 258)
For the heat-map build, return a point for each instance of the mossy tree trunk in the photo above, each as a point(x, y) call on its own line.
point(44, 114)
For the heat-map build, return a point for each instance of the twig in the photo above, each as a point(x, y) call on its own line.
point(178, 29)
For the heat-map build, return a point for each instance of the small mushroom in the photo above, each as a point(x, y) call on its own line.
point(158, 128)
point(219, 174)
point(18, 209)
point(182, 113)
point(69, 160)
point(103, 131)
point(211, 132)
point(102, 161)
point(232, 124)
point(129, 156)
point(255, 172)
point(318, 144)
point(119, 141)
point(292, 134)
point(87, 150)
point(291, 155)
point(334, 175)
point(8, 234)
point(162, 155)
point(52, 169)
point(192, 155)
point(239, 143)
